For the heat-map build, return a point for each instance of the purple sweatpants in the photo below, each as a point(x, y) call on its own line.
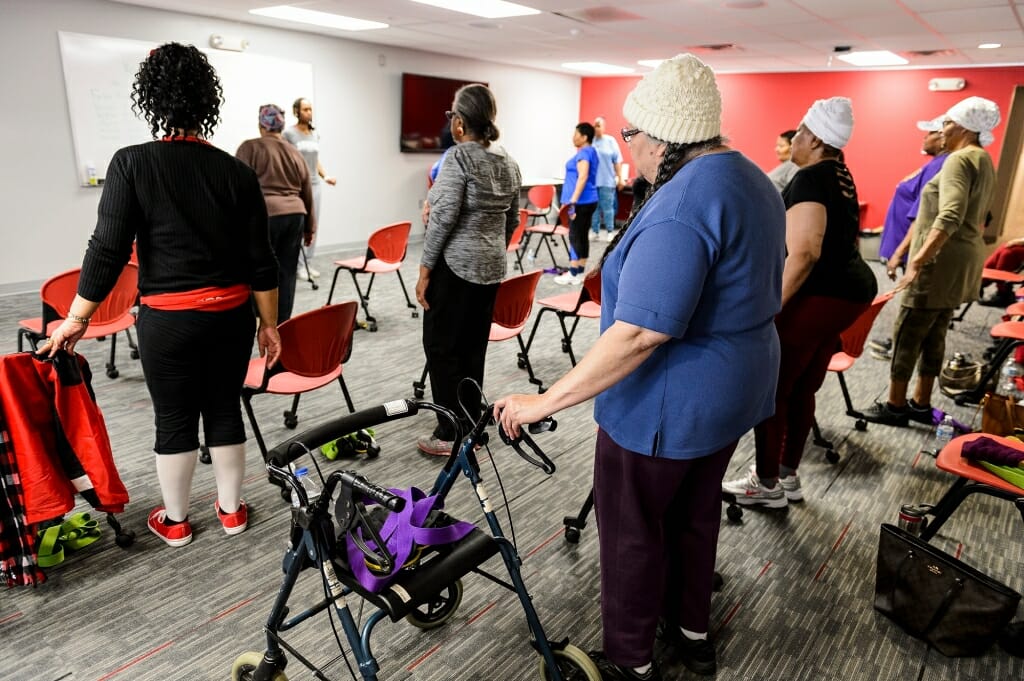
point(658, 522)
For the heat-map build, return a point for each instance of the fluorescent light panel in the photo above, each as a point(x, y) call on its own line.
point(489, 9)
point(308, 16)
point(651, 63)
point(873, 58)
point(597, 67)
point(989, 46)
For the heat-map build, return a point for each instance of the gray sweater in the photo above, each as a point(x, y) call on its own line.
point(474, 208)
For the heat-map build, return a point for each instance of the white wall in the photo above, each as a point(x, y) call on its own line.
point(47, 217)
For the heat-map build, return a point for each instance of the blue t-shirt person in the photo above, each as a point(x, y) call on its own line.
point(589, 194)
point(702, 262)
point(903, 207)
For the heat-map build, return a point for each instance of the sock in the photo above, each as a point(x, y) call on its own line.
point(174, 471)
point(785, 471)
point(693, 635)
point(229, 469)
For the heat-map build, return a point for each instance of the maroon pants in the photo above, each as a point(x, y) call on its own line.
point(1007, 259)
point(658, 522)
point(809, 329)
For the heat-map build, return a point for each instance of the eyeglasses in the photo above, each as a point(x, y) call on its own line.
point(629, 133)
point(450, 114)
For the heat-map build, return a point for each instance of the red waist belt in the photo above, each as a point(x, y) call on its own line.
point(208, 299)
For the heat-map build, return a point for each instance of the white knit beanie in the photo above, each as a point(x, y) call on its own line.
point(976, 114)
point(677, 102)
point(831, 121)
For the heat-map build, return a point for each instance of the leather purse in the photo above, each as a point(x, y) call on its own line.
point(935, 597)
point(1001, 415)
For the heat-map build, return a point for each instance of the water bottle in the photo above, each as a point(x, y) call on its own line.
point(308, 483)
point(1008, 379)
point(944, 432)
point(531, 257)
point(90, 174)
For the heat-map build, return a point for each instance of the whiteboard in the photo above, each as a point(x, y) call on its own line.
point(98, 77)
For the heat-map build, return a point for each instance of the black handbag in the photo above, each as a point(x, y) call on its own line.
point(937, 598)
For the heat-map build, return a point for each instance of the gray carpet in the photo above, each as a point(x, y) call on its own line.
point(797, 602)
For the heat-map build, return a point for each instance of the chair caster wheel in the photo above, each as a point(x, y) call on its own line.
point(521, 363)
point(861, 425)
point(315, 286)
point(125, 539)
point(204, 455)
point(734, 513)
point(415, 314)
point(290, 420)
point(565, 346)
point(134, 354)
point(112, 372)
point(418, 392)
point(572, 534)
point(832, 456)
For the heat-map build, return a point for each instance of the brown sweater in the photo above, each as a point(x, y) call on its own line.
point(283, 175)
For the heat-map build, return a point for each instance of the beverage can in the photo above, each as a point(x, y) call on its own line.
point(911, 519)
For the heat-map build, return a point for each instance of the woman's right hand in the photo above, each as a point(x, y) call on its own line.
point(64, 338)
point(269, 342)
point(421, 287)
point(891, 266)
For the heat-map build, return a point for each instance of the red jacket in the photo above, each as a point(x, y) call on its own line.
point(57, 433)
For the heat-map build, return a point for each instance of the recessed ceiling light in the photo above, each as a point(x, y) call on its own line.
point(989, 46)
point(489, 9)
point(308, 16)
point(651, 63)
point(873, 58)
point(597, 67)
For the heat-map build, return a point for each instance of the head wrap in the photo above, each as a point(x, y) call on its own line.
point(271, 118)
point(831, 121)
point(976, 114)
point(677, 102)
point(934, 125)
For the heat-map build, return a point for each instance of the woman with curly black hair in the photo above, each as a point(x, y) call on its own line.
point(200, 223)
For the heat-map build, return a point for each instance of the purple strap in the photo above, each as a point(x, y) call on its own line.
point(960, 428)
point(401, 532)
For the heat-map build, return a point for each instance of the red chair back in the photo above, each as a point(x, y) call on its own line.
point(121, 298)
point(592, 287)
point(315, 343)
point(541, 196)
point(563, 216)
point(514, 302)
point(58, 291)
point(389, 243)
point(856, 334)
point(517, 235)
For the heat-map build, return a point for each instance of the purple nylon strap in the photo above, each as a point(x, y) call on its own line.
point(401, 532)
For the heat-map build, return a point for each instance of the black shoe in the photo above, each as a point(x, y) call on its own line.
point(613, 672)
point(919, 414)
point(999, 299)
point(696, 655)
point(881, 344)
point(886, 414)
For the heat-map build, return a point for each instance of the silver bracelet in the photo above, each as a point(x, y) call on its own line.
point(71, 316)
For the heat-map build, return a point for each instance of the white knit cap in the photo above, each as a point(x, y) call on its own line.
point(934, 125)
point(977, 114)
point(831, 121)
point(677, 102)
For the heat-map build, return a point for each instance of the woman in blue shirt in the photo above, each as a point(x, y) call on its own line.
point(579, 192)
point(686, 363)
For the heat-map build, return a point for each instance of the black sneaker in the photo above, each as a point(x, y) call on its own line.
point(881, 344)
point(696, 655)
point(999, 299)
point(920, 414)
point(613, 672)
point(886, 414)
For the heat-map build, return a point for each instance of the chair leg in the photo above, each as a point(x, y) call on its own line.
point(567, 338)
point(529, 369)
point(533, 331)
point(131, 344)
point(850, 410)
point(112, 371)
point(247, 403)
point(291, 416)
point(371, 322)
point(408, 300)
point(831, 455)
point(344, 391)
point(551, 252)
point(419, 386)
point(1003, 351)
point(575, 523)
point(519, 261)
point(942, 510)
point(334, 282)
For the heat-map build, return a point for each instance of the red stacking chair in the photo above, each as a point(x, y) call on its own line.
point(971, 479)
point(1008, 336)
point(989, 276)
point(512, 309)
point(548, 231)
point(585, 303)
point(385, 252)
point(852, 341)
point(314, 345)
point(110, 318)
point(539, 200)
point(515, 244)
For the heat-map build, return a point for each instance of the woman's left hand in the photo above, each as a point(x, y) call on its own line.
point(64, 338)
point(908, 277)
point(515, 410)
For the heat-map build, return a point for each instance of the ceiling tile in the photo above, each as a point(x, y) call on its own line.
point(974, 19)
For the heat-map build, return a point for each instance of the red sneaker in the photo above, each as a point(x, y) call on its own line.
point(175, 535)
point(234, 523)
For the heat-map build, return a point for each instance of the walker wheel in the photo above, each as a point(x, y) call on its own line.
point(832, 456)
point(573, 665)
point(112, 372)
point(734, 513)
point(861, 425)
point(521, 363)
point(438, 609)
point(134, 354)
point(244, 668)
point(315, 286)
point(204, 455)
point(290, 420)
point(572, 534)
point(418, 392)
point(286, 494)
point(125, 538)
point(415, 314)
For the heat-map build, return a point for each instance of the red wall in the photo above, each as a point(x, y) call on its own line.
point(885, 146)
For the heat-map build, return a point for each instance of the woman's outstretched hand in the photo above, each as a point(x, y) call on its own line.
point(513, 411)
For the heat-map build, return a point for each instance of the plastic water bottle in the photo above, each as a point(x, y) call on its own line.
point(944, 432)
point(90, 174)
point(308, 484)
point(1008, 379)
point(531, 257)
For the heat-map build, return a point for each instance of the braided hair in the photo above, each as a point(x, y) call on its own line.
point(176, 88)
point(676, 156)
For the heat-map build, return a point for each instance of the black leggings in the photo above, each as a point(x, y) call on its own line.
point(195, 363)
point(579, 229)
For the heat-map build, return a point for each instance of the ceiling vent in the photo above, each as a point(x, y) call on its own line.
point(714, 47)
point(930, 53)
point(599, 15)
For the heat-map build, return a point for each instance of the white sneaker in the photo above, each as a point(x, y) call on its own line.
point(749, 491)
point(567, 279)
point(791, 487)
point(300, 274)
point(594, 236)
point(611, 234)
point(314, 273)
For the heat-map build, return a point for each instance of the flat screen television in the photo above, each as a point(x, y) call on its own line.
point(424, 101)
